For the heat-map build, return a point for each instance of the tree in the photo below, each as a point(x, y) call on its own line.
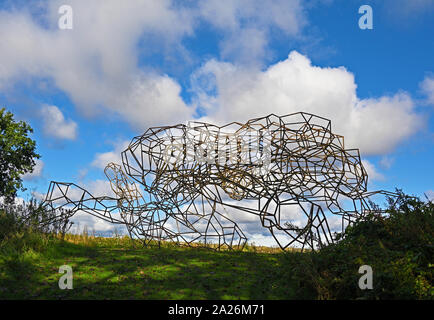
point(17, 154)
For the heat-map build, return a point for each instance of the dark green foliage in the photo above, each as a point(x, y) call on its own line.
point(31, 219)
point(17, 154)
point(398, 247)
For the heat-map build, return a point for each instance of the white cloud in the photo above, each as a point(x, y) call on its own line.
point(99, 188)
point(427, 86)
point(101, 160)
point(39, 196)
point(232, 92)
point(430, 195)
point(37, 171)
point(96, 63)
point(82, 219)
point(386, 162)
point(260, 239)
point(372, 171)
point(153, 100)
point(287, 15)
point(55, 124)
point(247, 25)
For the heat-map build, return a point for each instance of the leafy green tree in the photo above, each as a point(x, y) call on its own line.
point(17, 154)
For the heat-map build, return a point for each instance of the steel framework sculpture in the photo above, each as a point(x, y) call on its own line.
point(189, 183)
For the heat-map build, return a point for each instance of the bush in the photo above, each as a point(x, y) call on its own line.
point(398, 246)
point(33, 215)
point(8, 224)
point(29, 226)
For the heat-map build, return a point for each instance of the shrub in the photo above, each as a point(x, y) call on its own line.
point(398, 246)
point(28, 226)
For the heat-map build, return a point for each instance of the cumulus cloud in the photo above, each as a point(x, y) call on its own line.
point(101, 160)
point(153, 100)
point(55, 124)
point(430, 195)
point(247, 25)
point(427, 86)
point(226, 92)
point(97, 62)
point(372, 171)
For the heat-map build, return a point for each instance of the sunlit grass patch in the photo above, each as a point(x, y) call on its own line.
point(121, 268)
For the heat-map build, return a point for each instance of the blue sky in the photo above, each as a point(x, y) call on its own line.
point(127, 66)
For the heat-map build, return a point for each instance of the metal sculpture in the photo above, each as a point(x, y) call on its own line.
point(183, 183)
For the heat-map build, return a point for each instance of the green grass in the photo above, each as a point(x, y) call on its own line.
point(398, 246)
point(110, 268)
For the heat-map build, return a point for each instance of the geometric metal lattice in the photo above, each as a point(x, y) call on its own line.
point(189, 183)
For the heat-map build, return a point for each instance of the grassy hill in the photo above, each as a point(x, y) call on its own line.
point(398, 246)
point(111, 268)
